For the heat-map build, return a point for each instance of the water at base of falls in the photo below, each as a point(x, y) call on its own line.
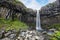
point(38, 24)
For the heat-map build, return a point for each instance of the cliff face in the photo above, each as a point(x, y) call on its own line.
point(9, 7)
point(13, 9)
point(52, 12)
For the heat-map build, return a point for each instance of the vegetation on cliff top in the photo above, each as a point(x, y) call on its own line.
point(17, 2)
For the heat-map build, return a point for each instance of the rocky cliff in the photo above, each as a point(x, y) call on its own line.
point(13, 9)
point(52, 13)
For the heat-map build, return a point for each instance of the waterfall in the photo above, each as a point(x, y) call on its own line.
point(38, 24)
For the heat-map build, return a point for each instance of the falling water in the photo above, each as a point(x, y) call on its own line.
point(38, 24)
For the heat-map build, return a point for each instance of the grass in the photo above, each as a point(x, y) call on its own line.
point(9, 25)
point(56, 26)
point(55, 36)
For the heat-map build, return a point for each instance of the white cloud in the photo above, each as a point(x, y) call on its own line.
point(33, 3)
point(50, 1)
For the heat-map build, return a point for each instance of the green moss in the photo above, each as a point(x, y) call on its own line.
point(55, 36)
point(9, 25)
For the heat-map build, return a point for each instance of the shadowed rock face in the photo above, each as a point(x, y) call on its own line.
point(11, 4)
point(51, 13)
point(11, 9)
point(15, 6)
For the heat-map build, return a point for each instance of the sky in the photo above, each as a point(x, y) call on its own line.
point(36, 4)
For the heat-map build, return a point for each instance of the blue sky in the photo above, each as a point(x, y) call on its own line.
point(36, 4)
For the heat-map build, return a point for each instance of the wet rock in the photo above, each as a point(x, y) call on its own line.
point(37, 37)
point(6, 39)
point(2, 33)
point(52, 30)
point(44, 32)
point(13, 31)
point(12, 36)
point(23, 35)
point(8, 33)
point(20, 38)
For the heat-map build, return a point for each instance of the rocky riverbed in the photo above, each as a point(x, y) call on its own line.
point(23, 35)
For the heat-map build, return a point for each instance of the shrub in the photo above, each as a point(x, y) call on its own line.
point(55, 36)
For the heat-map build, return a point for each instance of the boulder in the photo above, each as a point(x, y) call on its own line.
point(2, 33)
point(6, 39)
point(7, 34)
point(12, 36)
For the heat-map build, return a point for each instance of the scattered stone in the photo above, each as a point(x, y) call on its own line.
point(8, 33)
point(12, 36)
point(51, 31)
point(2, 33)
point(24, 35)
point(6, 39)
point(13, 31)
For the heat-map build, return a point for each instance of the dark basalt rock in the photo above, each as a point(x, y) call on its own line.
point(2, 33)
point(7, 34)
point(12, 36)
point(26, 35)
point(6, 39)
point(10, 32)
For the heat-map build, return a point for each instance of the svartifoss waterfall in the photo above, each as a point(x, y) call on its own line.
point(38, 24)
